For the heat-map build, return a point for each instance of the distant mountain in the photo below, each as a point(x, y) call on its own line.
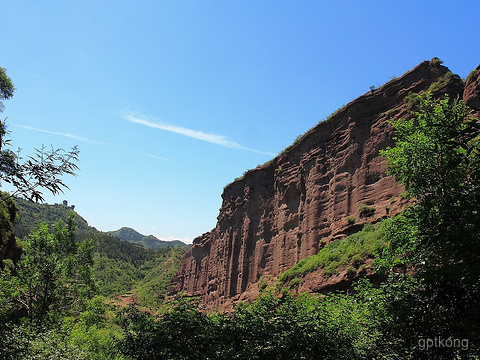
point(149, 241)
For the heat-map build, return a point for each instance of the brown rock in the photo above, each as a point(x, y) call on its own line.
point(277, 213)
point(471, 94)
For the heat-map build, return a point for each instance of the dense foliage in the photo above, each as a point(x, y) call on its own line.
point(48, 307)
point(437, 158)
point(121, 267)
point(53, 278)
point(288, 327)
point(145, 275)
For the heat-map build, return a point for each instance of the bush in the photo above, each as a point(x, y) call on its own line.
point(262, 285)
point(472, 75)
point(442, 82)
point(351, 270)
point(436, 62)
point(294, 283)
point(366, 211)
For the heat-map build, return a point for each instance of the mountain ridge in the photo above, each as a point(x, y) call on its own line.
point(30, 214)
point(149, 241)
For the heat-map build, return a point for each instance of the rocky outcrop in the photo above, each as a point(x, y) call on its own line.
point(277, 213)
point(471, 95)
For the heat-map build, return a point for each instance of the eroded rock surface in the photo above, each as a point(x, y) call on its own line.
point(471, 95)
point(277, 213)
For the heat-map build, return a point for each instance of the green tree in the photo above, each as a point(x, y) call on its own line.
point(43, 170)
point(56, 272)
point(437, 158)
point(53, 277)
point(6, 87)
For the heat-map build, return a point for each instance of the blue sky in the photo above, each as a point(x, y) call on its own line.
point(169, 101)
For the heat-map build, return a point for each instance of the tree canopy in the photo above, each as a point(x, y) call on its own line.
point(6, 85)
point(437, 158)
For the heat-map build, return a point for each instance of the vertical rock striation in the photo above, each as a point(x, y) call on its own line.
point(278, 212)
point(471, 95)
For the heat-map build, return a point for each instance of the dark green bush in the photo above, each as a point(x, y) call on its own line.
point(366, 211)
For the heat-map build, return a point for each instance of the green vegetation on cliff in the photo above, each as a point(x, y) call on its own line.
point(352, 251)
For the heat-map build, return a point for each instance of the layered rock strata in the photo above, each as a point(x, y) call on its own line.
point(278, 212)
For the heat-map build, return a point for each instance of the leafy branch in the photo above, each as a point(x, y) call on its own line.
point(41, 171)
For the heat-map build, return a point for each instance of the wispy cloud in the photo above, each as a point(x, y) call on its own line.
point(157, 157)
point(79, 138)
point(217, 139)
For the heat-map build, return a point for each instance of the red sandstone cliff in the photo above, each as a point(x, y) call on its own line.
point(277, 213)
point(471, 95)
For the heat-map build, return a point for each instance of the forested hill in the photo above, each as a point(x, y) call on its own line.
point(120, 267)
point(150, 241)
point(31, 214)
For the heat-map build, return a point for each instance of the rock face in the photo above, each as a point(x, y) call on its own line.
point(278, 212)
point(471, 95)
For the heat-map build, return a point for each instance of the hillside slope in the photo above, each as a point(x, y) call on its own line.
point(325, 186)
point(30, 214)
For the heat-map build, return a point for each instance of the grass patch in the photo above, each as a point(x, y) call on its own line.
point(352, 251)
point(441, 82)
point(472, 75)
